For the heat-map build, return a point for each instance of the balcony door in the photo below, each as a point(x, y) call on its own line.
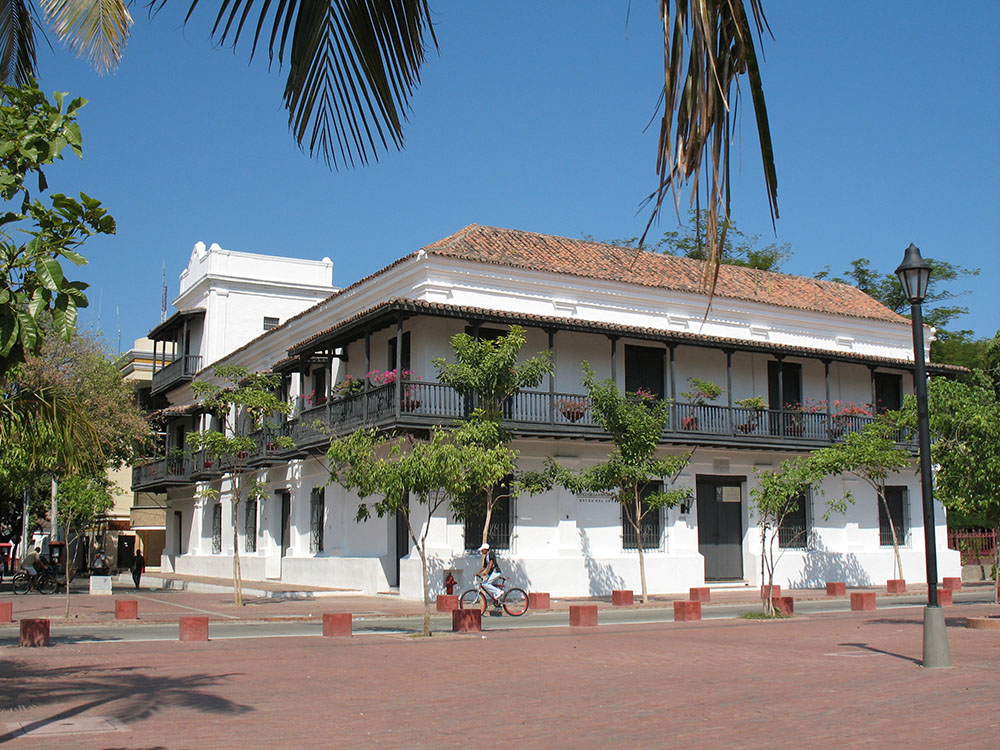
point(785, 392)
point(720, 526)
point(644, 369)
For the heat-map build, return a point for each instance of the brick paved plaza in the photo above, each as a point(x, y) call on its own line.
point(830, 680)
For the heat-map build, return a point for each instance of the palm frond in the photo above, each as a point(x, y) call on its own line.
point(352, 66)
point(708, 45)
point(17, 42)
point(95, 29)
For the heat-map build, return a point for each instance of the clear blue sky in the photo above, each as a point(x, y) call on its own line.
point(884, 117)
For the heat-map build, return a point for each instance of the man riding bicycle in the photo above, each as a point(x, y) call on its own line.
point(33, 564)
point(490, 573)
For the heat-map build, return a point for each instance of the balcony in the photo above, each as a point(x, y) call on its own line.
point(181, 370)
point(160, 473)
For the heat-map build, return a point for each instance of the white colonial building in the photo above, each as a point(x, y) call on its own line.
point(806, 347)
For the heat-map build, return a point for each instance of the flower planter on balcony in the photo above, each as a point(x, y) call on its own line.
point(410, 404)
point(572, 414)
point(689, 423)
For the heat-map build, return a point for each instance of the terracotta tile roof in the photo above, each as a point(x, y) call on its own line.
point(594, 260)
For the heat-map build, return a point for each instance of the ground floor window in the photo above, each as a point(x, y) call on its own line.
point(897, 498)
point(217, 529)
point(501, 522)
point(651, 526)
point(316, 512)
point(794, 531)
point(250, 527)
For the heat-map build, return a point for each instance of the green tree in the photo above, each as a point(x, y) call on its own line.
point(735, 248)
point(33, 134)
point(490, 372)
point(242, 402)
point(82, 499)
point(777, 495)
point(871, 455)
point(353, 66)
point(436, 473)
point(635, 422)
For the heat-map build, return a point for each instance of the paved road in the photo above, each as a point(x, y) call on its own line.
point(367, 625)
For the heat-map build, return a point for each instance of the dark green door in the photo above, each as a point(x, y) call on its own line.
point(720, 526)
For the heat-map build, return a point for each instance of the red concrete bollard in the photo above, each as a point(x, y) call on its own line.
point(687, 611)
point(895, 586)
point(336, 624)
point(783, 604)
point(467, 621)
point(775, 591)
point(126, 609)
point(863, 601)
point(945, 598)
point(193, 629)
point(538, 600)
point(6, 612)
point(622, 598)
point(952, 584)
point(447, 602)
point(34, 633)
point(701, 594)
point(836, 588)
point(583, 615)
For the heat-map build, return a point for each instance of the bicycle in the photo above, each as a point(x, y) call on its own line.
point(44, 583)
point(514, 600)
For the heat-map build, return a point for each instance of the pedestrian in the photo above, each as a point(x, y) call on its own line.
point(138, 567)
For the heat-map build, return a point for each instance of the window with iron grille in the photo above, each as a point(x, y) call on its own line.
point(794, 531)
point(217, 529)
point(250, 527)
point(316, 508)
point(270, 323)
point(501, 522)
point(651, 525)
point(897, 498)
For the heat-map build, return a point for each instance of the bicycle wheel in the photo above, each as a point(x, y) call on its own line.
point(472, 599)
point(515, 602)
point(21, 583)
point(47, 584)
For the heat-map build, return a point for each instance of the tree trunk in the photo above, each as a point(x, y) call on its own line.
point(637, 524)
point(237, 578)
point(427, 594)
point(892, 530)
point(69, 525)
point(486, 525)
point(766, 573)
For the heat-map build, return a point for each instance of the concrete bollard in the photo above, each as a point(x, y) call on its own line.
point(836, 588)
point(863, 601)
point(622, 598)
point(945, 598)
point(126, 609)
point(583, 615)
point(466, 621)
point(34, 633)
point(774, 591)
point(6, 612)
point(783, 604)
point(701, 594)
point(338, 624)
point(538, 600)
point(687, 611)
point(193, 629)
point(100, 585)
point(447, 602)
point(952, 584)
point(895, 586)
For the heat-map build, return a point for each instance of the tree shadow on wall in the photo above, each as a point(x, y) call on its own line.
point(823, 565)
point(601, 576)
point(129, 694)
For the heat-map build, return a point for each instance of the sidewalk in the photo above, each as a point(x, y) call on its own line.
point(165, 597)
point(843, 680)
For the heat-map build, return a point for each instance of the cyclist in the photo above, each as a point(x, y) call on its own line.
point(32, 562)
point(490, 573)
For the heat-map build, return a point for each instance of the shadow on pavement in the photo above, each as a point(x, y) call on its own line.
point(128, 693)
point(951, 622)
point(866, 647)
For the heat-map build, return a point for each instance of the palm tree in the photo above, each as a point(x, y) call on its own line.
point(353, 65)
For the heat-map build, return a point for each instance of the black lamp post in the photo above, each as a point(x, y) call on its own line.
point(914, 274)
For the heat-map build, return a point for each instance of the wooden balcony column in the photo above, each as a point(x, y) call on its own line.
point(551, 332)
point(614, 358)
point(368, 369)
point(398, 386)
point(671, 371)
point(729, 389)
point(826, 376)
point(781, 393)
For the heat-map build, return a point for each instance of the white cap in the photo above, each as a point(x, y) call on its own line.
point(484, 547)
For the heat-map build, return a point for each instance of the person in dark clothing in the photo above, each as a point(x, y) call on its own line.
point(138, 567)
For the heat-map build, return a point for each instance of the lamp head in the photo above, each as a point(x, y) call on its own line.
point(914, 273)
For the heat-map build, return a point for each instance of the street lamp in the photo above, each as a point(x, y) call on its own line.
point(914, 273)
